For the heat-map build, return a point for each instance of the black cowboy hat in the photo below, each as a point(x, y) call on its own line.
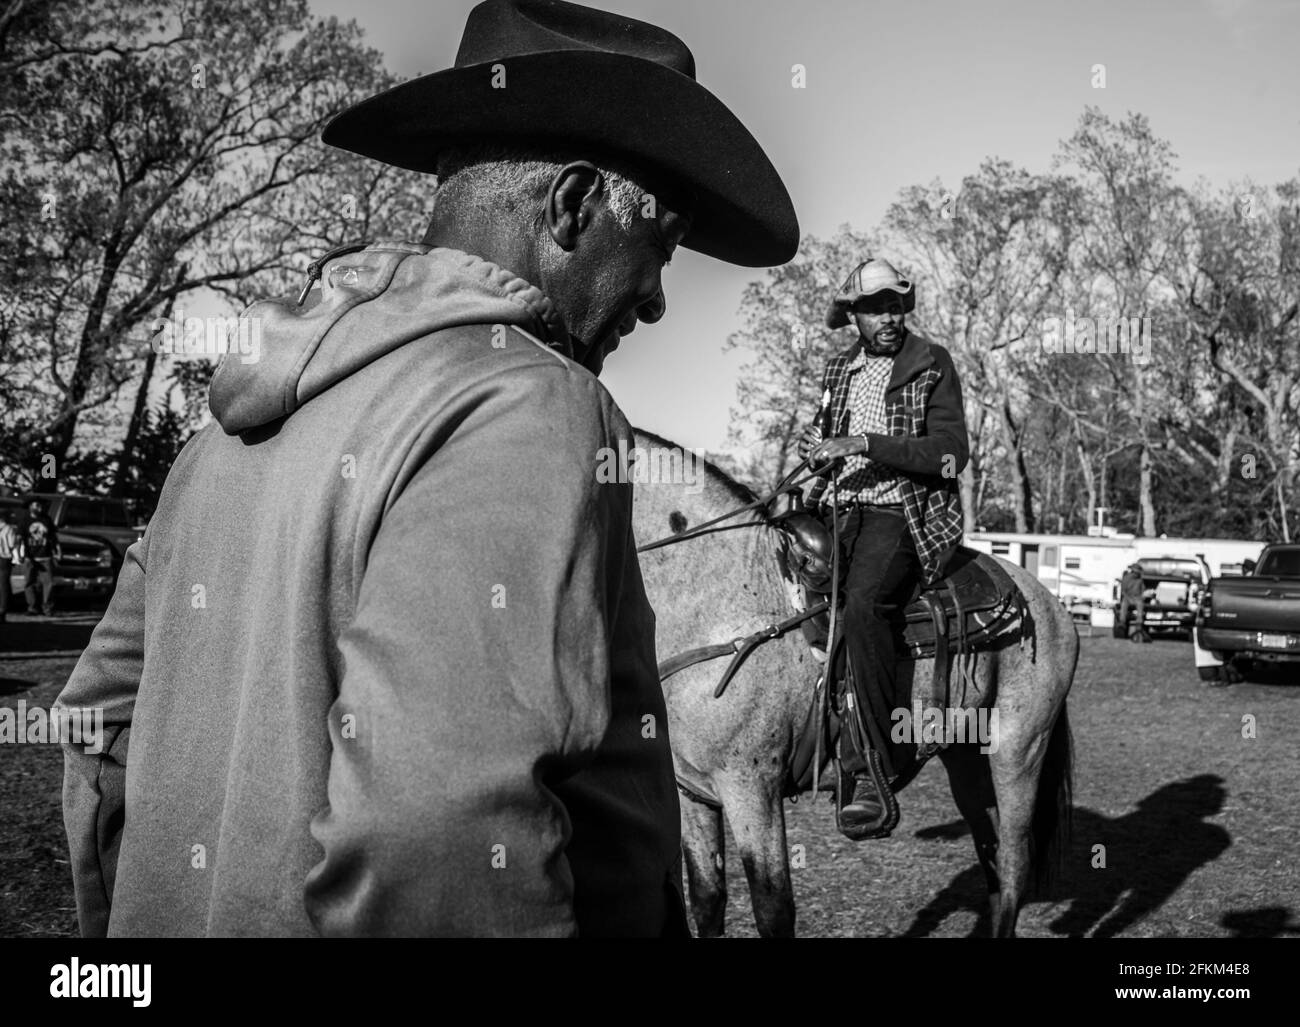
point(578, 76)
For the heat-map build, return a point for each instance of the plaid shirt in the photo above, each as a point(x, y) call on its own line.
point(861, 478)
point(931, 501)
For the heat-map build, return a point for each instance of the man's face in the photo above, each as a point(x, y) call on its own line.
point(34, 509)
point(880, 320)
point(612, 278)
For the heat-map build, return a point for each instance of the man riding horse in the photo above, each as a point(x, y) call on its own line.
point(892, 406)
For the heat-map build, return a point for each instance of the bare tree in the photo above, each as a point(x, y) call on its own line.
point(987, 261)
point(1240, 289)
point(195, 146)
point(1131, 216)
point(783, 328)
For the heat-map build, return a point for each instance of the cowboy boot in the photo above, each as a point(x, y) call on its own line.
point(861, 809)
point(864, 810)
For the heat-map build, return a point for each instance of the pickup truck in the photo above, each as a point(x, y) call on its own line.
point(1254, 618)
point(1171, 589)
point(96, 516)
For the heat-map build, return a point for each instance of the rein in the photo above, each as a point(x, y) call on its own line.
point(744, 645)
point(787, 485)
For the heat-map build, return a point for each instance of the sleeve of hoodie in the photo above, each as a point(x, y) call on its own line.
point(105, 679)
point(945, 430)
point(477, 671)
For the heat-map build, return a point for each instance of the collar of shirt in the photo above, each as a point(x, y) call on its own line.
point(860, 359)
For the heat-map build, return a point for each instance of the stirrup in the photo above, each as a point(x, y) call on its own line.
point(882, 826)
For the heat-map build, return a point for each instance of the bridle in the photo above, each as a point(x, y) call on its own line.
point(789, 484)
point(742, 646)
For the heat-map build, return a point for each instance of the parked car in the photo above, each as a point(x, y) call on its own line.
point(1171, 591)
point(97, 516)
point(84, 566)
point(1251, 618)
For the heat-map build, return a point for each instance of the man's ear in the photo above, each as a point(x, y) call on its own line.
point(570, 202)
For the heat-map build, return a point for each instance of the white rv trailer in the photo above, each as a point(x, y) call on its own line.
point(1083, 569)
point(1075, 568)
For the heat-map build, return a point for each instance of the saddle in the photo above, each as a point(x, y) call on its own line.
point(972, 605)
point(972, 608)
point(974, 602)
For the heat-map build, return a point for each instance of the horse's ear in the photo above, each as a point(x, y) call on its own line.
point(676, 522)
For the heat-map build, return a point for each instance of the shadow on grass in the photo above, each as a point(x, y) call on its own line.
point(45, 636)
point(1147, 854)
point(1265, 922)
point(1263, 673)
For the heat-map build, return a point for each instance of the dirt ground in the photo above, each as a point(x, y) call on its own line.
point(1199, 824)
point(36, 657)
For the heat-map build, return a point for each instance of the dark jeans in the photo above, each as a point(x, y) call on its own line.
point(6, 568)
point(1136, 606)
point(42, 571)
point(884, 574)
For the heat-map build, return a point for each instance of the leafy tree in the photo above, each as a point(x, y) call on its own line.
point(1240, 286)
point(1131, 216)
point(987, 262)
point(783, 330)
point(194, 147)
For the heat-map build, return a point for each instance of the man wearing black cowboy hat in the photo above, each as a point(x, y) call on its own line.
point(401, 674)
point(897, 441)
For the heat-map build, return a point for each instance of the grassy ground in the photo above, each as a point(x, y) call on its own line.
point(1198, 823)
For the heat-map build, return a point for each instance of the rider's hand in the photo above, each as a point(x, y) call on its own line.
point(810, 437)
point(834, 449)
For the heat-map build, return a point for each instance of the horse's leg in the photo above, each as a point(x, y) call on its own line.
point(971, 782)
point(704, 848)
point(757, 817)
point(1031, 764)
point(1016, 766)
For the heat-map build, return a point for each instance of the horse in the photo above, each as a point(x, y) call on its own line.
point(733, 754)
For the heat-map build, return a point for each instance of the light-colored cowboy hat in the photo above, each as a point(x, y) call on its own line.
point(867, 279)
point(545, 72)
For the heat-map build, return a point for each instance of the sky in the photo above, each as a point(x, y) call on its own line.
point(904, 94)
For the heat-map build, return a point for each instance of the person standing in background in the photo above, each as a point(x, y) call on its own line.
point(38, 539)
point(10, 547)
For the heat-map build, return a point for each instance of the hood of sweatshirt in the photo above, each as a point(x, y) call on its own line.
point(369, 303)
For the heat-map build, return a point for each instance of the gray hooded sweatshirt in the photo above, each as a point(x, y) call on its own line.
point(383, 663)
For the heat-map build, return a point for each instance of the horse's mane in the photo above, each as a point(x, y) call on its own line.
point(737, 490)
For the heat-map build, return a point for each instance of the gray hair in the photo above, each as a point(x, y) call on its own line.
point(510, 180)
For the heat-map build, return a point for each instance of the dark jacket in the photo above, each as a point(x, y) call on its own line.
point(383, 663)
point(926, 440)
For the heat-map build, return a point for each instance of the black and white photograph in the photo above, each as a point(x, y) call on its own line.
point(652, 469)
